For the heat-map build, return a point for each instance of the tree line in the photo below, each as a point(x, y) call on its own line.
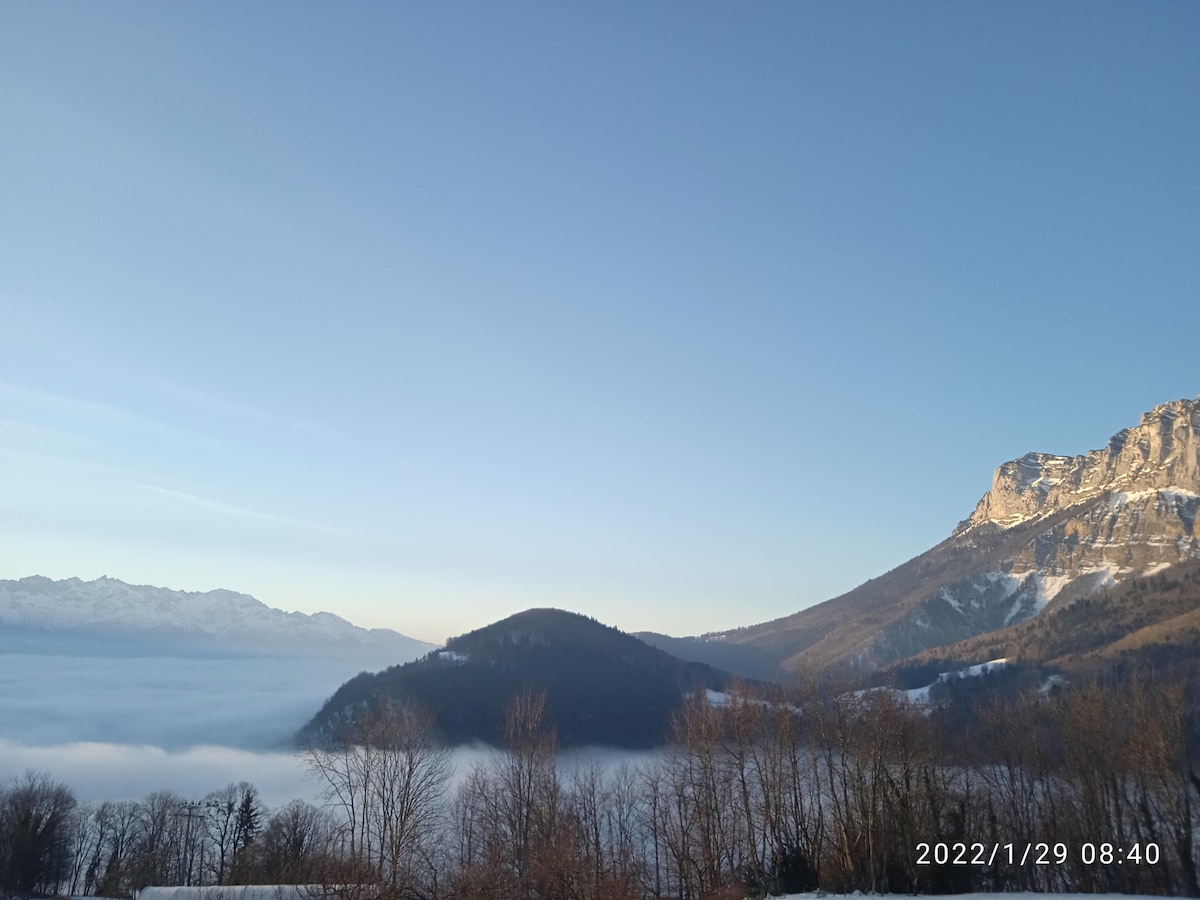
point(765, 792)
point(51, 844)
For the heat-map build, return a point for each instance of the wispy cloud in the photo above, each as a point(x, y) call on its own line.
point(230, 509)
point(26, 428)
point(70, 348)
point(84, 428)
point(219, 404)
point(92, 409)
point(220, 507)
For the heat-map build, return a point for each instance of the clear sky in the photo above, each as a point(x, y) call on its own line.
point(682, 315)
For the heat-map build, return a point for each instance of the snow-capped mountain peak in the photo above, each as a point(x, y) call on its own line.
point(108, 606)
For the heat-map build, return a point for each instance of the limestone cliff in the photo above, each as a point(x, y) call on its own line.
point(1133, 504)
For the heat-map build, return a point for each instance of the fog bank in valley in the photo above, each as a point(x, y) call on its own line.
point(105, 771)
point(96, 771)
point(116, 728)
point(169, 702)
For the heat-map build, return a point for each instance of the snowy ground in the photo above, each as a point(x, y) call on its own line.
point(1020, 895)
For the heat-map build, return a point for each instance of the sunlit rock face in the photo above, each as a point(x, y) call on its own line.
point(1132, 505)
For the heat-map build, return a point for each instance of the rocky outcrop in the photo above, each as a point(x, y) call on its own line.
point(1123, 531)
point(1131, 506)
point(1161, 452)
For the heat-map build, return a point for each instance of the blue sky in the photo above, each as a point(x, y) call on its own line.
point(684, 316)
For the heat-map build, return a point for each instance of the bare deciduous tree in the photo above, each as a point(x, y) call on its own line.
point(384, 777)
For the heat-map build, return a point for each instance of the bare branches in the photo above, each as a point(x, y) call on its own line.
point(384, 778)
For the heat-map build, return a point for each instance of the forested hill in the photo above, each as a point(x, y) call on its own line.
point(602, 686)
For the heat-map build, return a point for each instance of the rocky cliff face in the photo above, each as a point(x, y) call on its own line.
point(1161, 452)
point(1132, 505)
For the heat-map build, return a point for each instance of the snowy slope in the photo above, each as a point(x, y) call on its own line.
point(108, 607)
point(1016, 895)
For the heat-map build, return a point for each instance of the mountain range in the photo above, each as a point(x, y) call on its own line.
point(105, 661)
point(110, 616)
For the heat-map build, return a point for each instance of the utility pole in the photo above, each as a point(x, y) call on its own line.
point(190, 810)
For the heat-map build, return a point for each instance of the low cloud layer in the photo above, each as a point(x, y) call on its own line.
point(119, 728)
point(97, 771)
point(166, 702)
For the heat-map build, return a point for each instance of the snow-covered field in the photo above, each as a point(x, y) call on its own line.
point(1019, 895)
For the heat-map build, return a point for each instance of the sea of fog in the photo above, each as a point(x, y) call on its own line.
point(99, 771)
point(118, 729)
point(96, 771)
point(170, 702)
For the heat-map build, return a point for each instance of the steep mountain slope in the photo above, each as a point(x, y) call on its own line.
point(1153, 618)
point(602, 686)
point(745, 660)
point(1052, 528)
point(38, 613)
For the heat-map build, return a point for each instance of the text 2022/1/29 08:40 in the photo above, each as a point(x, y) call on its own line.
point(1104, 853)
